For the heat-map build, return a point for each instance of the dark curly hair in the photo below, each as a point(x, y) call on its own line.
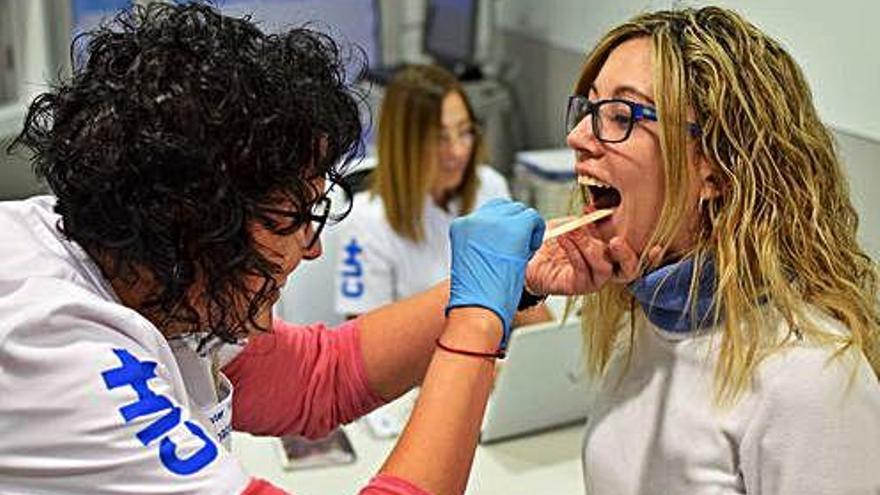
point(176, 130)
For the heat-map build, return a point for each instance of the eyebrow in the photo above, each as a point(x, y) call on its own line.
point(626, 90)
point(457, 124)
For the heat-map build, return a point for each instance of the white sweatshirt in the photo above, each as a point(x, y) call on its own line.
point(376, 266)
point(807, 426)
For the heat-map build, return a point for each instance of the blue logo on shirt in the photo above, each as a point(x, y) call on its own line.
point(135, 374)
point(352, 283)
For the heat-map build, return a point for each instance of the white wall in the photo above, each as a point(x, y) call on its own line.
point(861, 162)
point(33, 52)
point(834, 42)
point(31, 55)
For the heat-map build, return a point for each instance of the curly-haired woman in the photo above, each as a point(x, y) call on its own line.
point(193, 162)
point(732, 318)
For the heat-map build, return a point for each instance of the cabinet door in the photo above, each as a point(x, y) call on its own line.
point(8, 62)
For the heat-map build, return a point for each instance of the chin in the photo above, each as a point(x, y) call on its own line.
point(450, 184)
point(456, 177)
point(603, 231)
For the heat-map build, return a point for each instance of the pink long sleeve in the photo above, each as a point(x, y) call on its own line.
point(382, 484)
point(303, 380)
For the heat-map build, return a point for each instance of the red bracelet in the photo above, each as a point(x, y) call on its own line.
point(499, 354)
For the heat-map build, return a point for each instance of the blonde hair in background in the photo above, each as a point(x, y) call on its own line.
point(783, 230)
point(408, 146)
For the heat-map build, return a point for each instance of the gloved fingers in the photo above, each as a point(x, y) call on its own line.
point(538, 226)
point(502, 206)
point(495, 201)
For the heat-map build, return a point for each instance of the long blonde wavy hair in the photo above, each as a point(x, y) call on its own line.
point(782, 232)
point(408, 144)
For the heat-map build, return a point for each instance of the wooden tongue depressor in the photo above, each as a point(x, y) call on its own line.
point(576, 223)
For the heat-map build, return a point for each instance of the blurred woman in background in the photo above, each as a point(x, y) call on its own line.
point(430, 170)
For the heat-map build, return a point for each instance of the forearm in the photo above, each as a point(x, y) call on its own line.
point(397, 341)
point(437, 446)
point(304, 380)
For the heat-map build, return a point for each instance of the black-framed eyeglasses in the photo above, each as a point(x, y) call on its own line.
point(613, 119)
point(330, 208)
point(467, 135)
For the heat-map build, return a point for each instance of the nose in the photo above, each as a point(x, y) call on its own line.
point(306, 235)
point(313, 252)
point(458, 149)
point(582, 138)
point(461, 148)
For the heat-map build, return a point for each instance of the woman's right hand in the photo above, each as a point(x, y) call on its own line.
point(490, 249)
point(576, 263)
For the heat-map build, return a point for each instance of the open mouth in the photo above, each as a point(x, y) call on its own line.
point(598, 194)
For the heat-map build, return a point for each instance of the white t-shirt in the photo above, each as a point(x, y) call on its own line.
point(375, 266)
point(93, 399)
point(803, 429)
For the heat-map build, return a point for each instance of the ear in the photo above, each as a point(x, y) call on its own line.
point(710, 182)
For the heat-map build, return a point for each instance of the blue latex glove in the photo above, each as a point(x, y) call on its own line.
point(490, 250)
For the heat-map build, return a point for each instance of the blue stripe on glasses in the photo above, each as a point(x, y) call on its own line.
point(616, 117)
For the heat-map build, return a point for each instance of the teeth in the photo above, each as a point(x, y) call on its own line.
point(586, 180)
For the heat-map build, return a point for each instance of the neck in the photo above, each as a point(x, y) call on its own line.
point(441, 197)
point(135, 286)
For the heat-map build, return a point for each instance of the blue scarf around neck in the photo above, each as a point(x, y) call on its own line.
point(663, 294)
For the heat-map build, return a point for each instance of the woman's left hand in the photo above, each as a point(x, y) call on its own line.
point(576, 263)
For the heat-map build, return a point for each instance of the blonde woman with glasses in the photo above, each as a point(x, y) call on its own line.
point(730, 315)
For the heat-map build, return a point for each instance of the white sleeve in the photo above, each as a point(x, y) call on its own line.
point(816, 428)
point(364, 277)
point(96, 412)
point(492, 185)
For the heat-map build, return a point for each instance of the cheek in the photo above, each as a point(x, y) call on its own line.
point(645, 211)
point(291, 253)
point(651, 186)
point(282, 250)
point(454, 157)
point(645, 196)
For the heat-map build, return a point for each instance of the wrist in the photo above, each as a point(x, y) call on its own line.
point(529, 299)
point(473, 328)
